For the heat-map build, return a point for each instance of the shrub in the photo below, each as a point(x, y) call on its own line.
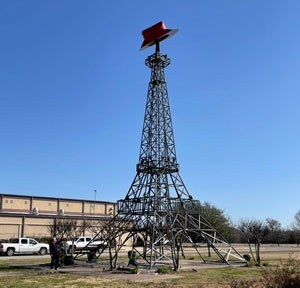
point(135, 270)
point(164, 270)
point(251, 263)
point(242, 284)
point(285, 275)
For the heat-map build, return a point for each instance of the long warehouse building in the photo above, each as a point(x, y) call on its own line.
point(31, 216)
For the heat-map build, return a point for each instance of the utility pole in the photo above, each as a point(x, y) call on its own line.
point(95, 196)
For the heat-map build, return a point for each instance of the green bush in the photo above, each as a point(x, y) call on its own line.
point(251, 263)
point(164, 270)
point(135, 270)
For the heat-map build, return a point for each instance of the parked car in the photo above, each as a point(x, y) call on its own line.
point(81, 243)
point(23, 246)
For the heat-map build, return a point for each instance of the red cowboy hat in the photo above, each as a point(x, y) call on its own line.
point(156, 33)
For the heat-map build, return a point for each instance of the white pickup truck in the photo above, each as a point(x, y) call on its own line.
point(23, 246)
point(81, 243)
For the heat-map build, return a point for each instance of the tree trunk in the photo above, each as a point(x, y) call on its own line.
point(175, 253)
point(116, 256)
point(182, 251)
point(177, 257)
point(110, 258)
point(258, 253)
point(145, 247)
point(249, 244)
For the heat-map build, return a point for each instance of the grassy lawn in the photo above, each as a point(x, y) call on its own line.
point(218, 277)
point(205, 277)
point(7, 262)
point(50, 280)
point(7, 265)
point(9, 268)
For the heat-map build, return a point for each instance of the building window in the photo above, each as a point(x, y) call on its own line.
point(6, 201)
point(11, 201)
point(25, 202)
point(67, 205)
point(49, 204)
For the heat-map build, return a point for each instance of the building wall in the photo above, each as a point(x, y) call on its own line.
point(45, 205)
point(16, 203)
point(10, 227)
point(35, 226)
point(17, 217)
point(26, 204)
point(71, 206)
point(95, 208)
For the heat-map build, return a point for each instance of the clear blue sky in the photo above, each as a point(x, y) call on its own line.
point(73, 89)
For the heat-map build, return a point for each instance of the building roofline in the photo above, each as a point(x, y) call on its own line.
point(50, 216)
point(55, 198)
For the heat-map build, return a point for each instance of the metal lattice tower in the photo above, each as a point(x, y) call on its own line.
point(158, 208)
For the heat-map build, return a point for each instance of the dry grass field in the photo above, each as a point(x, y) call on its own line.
point(12, 275)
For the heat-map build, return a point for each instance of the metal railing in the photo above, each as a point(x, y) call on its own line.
point(157, 204)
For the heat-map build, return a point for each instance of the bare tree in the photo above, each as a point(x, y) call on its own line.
point(66, 229)
point(297, 221)
point(110, 237)
point(93, 227)
point(254, 231)
point(296, 227)
point(275, 229)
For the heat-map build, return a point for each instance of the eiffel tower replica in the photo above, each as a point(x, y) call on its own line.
point(158, 208)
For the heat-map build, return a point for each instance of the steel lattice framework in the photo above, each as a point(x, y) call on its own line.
point(158, 207)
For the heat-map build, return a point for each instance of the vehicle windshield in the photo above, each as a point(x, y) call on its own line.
point(32, 242)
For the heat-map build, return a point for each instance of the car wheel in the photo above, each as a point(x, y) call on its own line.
point(43, 251)
point(10, 251)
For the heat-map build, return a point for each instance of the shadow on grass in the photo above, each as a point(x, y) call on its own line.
point(7, 268)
